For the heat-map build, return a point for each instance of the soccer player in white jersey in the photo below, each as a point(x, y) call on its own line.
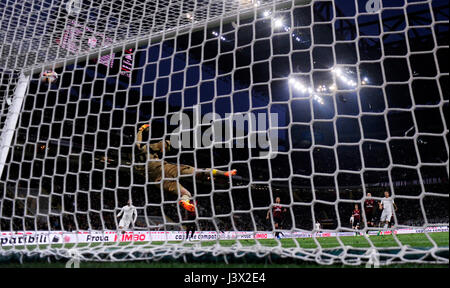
point(388, 206)
point(129, 215)
point(318, 226)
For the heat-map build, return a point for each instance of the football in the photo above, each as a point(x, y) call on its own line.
point(49, 76)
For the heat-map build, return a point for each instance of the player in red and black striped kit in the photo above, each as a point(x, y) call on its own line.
point(278, 215)
point(356, 216)
point(369, 208)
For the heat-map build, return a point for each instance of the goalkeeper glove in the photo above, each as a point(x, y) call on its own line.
point(143, 127)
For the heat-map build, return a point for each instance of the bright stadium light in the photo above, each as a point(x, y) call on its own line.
point(341, 75)
point(217, 34)
point(266, 13)
point(337, 71)
point(318, 99)
point(297, 85)
point(278, 22)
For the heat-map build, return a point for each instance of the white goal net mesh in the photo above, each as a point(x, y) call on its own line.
point(320, 105)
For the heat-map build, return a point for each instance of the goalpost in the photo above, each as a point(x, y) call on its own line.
point(316, 102)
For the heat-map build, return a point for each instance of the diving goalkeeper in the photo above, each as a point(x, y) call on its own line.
point(155, 167)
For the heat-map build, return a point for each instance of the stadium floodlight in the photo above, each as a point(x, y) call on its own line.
point(337, 71)
point(266, 13)
point(278, 22)
point(111, 101)
point(318, 99)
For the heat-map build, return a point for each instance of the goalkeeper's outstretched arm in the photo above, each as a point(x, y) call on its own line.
point(139, 143)
point(150, 148)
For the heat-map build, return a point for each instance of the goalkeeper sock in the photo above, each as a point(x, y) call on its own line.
point(188, 206)
point(230, 173)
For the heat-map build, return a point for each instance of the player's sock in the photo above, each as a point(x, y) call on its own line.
point(231, 173)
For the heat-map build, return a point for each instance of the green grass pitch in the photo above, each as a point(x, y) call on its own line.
point(419, 241)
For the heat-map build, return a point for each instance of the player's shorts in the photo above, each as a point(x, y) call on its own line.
point(125, 223)
point(171, 171)
point(386, 216)
point(370, 216)
point(278, 220)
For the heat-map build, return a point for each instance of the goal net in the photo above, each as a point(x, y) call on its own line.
point(284, 124)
